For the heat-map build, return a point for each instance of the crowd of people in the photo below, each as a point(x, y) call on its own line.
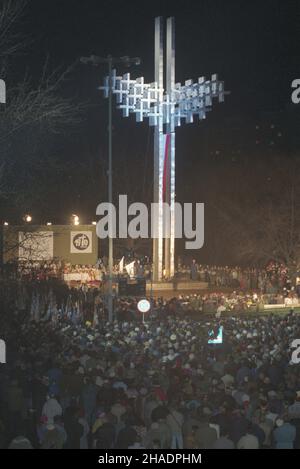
point(54, 300)
point(29, 270)
point(269, 280)
point(73, 380)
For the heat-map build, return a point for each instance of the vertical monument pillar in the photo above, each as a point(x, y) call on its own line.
point(158, 156)
point(164, 155)
point(170, 151)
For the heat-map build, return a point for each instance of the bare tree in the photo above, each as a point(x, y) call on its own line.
point(32, 110)
point(11, 41)
point(269, 231)
point(25, 245)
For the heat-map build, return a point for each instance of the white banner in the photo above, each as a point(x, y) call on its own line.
point(130, 269)
point(81, 277)
point(36, 246)
point(121, 265)
point(81, 242)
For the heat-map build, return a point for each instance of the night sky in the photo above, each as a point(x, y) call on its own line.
point(253, 46)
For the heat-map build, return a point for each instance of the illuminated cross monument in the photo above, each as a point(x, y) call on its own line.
point(166, 105)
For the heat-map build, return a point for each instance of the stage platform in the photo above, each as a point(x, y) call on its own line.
point(176, 286)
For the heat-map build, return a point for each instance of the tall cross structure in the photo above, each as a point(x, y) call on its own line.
point(166, 104)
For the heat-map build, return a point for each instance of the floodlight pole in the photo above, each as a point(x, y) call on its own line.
point(110, 197)
point(110, 61)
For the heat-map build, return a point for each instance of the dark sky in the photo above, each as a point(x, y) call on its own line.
point(253, 46)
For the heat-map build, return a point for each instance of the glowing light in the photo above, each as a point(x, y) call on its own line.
point(28, 218)
point(75, 220)
point(49, 223)
point(5, 223)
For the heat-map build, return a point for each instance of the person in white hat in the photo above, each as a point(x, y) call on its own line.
point(51, 409)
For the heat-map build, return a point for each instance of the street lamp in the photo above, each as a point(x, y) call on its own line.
point(75, 220)
point(28, 218)
point(110, 62)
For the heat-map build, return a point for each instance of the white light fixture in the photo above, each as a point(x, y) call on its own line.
point(28, 218)
point(94, 223)
point(5, 223)
point(75, 219)
point(49, 223)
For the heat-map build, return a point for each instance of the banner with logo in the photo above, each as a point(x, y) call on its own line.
point(81, 242)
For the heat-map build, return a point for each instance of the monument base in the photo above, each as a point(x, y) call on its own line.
point(176, 286)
